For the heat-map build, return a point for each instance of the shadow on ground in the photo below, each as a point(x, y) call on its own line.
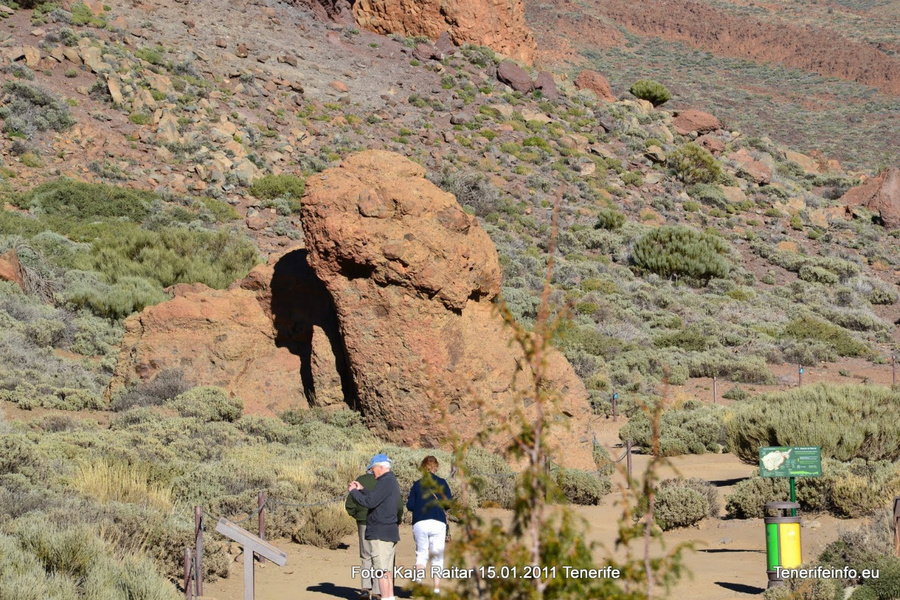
point(740, 587)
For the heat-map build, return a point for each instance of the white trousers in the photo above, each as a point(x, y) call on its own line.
point(430, 536)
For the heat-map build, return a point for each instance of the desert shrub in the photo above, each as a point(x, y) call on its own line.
point(874, 290)
point(861, 546)
point(679, 507)
point(887, 585)
point(853, 421)
point(692, 429)
point(736, 393)
point(710, 194)
point(472, 189)
point(28, 109)
point(721, 363)
point(325, 527)
point(691, 339)
point(815, 274)
point(805, 589)
point(164, 387)
point(85, 201)
point(128, 295)
point(652, 91)
point(603, 461)
point(492, 479)
point(610, 219)
point(694, 164)
point(581, 487)
point(678, 251)
point(208, 403)
point(748, 497)
point(705, 488)
point(270, 187)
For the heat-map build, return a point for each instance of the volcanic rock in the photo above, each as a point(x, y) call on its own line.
point(412, 278)
point(595, 82)
point(514, 76)
point(498, 24)
point(271, 338)
point(880, 194)
point(758, 171)
point(11, 268)
point(545, 83)
point(691, 120)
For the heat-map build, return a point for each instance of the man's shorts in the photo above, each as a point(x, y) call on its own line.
point(383, 555)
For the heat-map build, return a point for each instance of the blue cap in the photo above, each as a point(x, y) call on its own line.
point(379, 458)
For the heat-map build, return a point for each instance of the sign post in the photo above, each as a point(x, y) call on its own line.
point(252, 545)
point(790, 462)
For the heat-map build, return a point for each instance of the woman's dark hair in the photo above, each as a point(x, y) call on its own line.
point(429, 464)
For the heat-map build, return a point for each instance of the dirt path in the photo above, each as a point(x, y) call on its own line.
point(728, 563)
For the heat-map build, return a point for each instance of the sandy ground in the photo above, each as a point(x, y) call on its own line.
point(728, 562)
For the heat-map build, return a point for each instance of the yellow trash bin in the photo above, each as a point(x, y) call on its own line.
point(782, 539)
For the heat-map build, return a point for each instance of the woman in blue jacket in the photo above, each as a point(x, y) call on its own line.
point(426, 501)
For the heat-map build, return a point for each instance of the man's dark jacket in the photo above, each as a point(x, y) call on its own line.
point(360, 512)
point(381, 522)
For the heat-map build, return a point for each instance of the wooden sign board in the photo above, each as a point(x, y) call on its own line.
point(251, 544)
point(786, 461)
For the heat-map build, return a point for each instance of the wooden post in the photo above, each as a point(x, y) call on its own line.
point(715, 389)
point(897, 525)
point(252, 545)
point(799, 375)
point(188, 567)
point(628, 461)
point(260, 503)
point(615, 403)
point(198, 543)
point(893, 370)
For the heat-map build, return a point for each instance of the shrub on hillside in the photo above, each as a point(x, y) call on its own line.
point(83, 289)
point(705, 488)
point(472, 189)
point(652, 91)
point(167, 385)
point(853, 421)
point(748, 497)
point(581, 487)
point(208, 403)
point(694, 164)
point(692, 429)
point(84, 201)
point(805, 589)
point(28, 109)
point(837, 338)
point(861, 546)
point(610, 219)
point(324, 527)
point(678, 251)
point(271, 187)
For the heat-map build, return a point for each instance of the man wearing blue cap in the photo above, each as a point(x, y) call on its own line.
point(382, 526)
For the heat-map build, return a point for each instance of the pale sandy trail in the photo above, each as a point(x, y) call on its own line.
point(729, 562)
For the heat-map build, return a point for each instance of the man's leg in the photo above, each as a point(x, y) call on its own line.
point(383, 557)
point(365, 559)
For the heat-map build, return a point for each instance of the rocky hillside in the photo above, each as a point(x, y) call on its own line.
point(687, 249)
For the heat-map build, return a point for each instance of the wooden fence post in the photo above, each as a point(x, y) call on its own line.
point(628, 461)
point(715, 389)
point(615, 407)
point(188, 568)
point(897, 525)
point(261, 505)
point(198, 544)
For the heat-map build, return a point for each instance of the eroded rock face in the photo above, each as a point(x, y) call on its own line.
point(498, 24)
point(11, 268)
point(412, 278)
point(880, 194)
point(691, 120)
point(271, 338)
point(595, 82)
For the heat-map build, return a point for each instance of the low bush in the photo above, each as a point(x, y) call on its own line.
point(28, 109)
point(693, 429)
point(861, 546)
point(472, 189)
point(694, 164)
point(678, 251)
point(270, 187)
point(85, 201)
point(679, 507)
point(581, 487)
point(852, 421)
point(748, 497)
point(652, 91)
point(325, 527)
point(164, 387)
point(805, 589)
point(610, 219)
point(705, 488)
point(208, 403)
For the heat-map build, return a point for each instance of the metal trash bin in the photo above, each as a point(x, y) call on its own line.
point(782, 539)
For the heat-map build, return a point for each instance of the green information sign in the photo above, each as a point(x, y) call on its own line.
point(786, 461)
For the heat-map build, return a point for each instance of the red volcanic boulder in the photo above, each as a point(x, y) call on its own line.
point(544, 82)
point(595, 82)
point(271, 338)
point(11, 269)
point(514, 76)
point(498, 24)
point(412, 278)
point(880, 194)
point(758, 171)
point(691, 120)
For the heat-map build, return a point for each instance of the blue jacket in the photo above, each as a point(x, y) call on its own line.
point(381, 522)
point(426, 499)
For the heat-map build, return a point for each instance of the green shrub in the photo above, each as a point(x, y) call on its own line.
point(167, 385)
point(694, 164)
point(270, 187)
point(679, 507)
point(701, 486)
point(852, 421)
point(581, 487)
point(150, 55)
point(710, 194)
point(325, 527)
point(610, 219)
point(736, 393)
point(815, 274)
point(691, 339)
point(837, 338)
point(28, 109)
point(678, 251)
point(748, 497)
point(633, 178)
point(83, 15)
point(805, 589)
point(861, 546)
point(208, 403)
point(128, 295)
point(85, 201)
point(692, 429)
point(652, 91)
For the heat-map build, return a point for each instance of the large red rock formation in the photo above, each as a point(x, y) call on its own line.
point(11, 268)
point(412, 278)
point(880, 194)
point(498, 24)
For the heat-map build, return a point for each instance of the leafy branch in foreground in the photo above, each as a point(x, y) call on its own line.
point(542, 552)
